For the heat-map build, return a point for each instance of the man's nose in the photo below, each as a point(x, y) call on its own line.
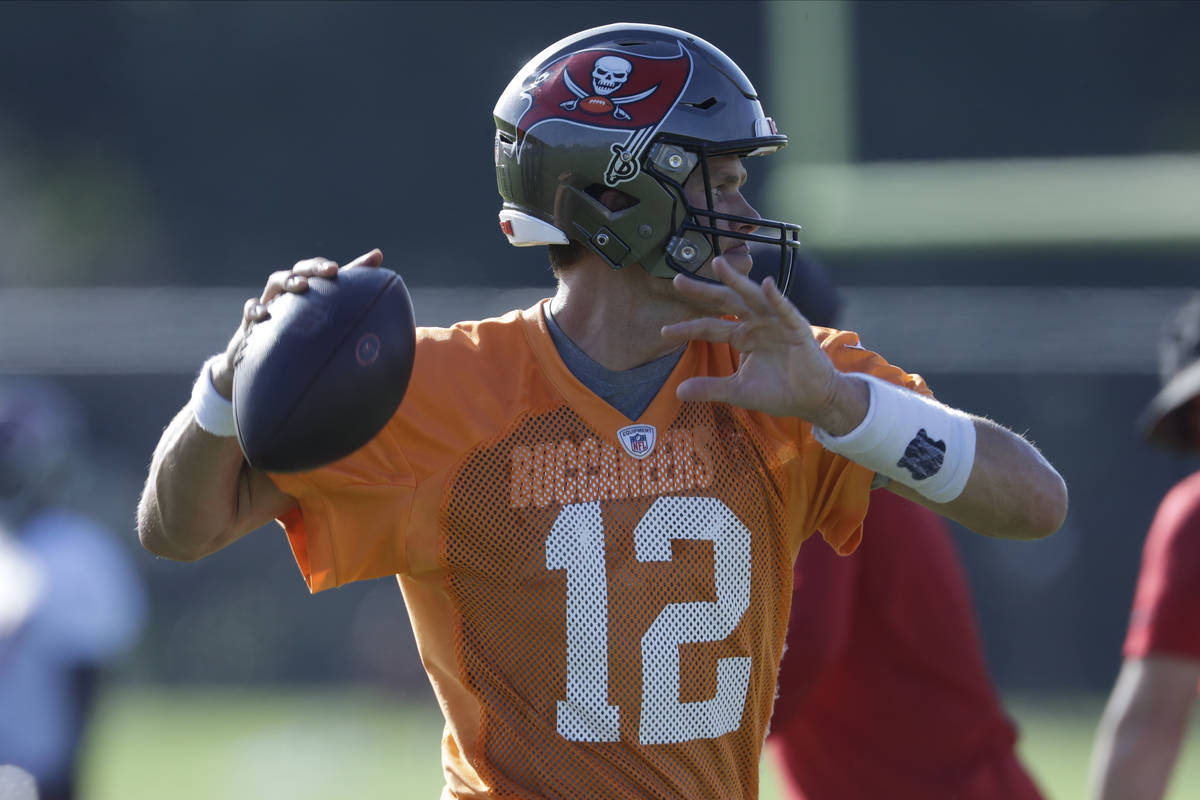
point(750, 212)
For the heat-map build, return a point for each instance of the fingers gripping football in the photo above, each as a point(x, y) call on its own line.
point(782, 369)
point(294, 280)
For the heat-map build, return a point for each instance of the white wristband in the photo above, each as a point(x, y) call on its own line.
point(213, 412)
point(911, 439)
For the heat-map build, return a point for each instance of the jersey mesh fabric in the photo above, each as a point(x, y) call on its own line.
point(566, 481)
point(593, 624)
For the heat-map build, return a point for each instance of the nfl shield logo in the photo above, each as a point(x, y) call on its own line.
point(638, 440)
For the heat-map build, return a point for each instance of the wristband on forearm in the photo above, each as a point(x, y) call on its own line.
point(213, 412)
point(911, 439)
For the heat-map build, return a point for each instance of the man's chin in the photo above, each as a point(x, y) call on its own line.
point(740, 259)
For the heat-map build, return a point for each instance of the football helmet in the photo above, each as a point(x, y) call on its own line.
point(635, 108)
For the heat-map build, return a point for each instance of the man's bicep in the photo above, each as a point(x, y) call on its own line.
point(260, 500)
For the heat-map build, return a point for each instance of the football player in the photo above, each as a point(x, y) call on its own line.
point(593, 505)
point(1146, 718)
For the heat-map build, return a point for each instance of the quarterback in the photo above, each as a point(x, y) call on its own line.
point(593, 505)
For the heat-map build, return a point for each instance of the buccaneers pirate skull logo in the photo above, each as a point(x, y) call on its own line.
point(608, 75)
point(607, 90)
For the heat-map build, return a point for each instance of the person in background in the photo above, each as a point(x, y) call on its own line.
point(1144, 721)
point(70, 600)
point(883, 689)
point(16, 784)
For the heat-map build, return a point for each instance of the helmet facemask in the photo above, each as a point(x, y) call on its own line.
point(696, 237)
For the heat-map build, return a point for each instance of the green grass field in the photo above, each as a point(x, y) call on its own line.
point(302, 744)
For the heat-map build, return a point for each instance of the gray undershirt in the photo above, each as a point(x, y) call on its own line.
point(629, 391)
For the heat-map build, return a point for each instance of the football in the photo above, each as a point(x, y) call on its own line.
point(325, 371)
point(596, 105)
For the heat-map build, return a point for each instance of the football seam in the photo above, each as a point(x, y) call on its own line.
point(332, 352)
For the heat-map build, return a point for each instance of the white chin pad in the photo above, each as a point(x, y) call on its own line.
point(524, 230)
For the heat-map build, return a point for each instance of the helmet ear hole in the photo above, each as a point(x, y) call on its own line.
point(612, 199)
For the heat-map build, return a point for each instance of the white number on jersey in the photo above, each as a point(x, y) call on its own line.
point(576, 544)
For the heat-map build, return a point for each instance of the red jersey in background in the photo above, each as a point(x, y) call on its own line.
point(883, 690)
point(1168, 591)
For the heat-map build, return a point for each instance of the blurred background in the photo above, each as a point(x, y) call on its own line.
point(1006, 193)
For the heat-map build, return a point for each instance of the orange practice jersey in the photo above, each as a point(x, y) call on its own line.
point(600, 602)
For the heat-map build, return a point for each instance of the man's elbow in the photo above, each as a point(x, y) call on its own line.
point(152, 533)
point(1046, 509)
point(154, 539)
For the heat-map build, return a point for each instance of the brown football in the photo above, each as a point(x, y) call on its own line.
point(596, 105)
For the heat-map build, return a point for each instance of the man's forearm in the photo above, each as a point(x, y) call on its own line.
point(1012, 493)
point(1137, 762)
point(1143, 725)
point(200, 495)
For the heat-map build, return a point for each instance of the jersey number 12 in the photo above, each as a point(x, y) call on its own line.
point(576, 544)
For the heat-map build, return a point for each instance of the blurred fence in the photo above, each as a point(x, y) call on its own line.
point(946, 329)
